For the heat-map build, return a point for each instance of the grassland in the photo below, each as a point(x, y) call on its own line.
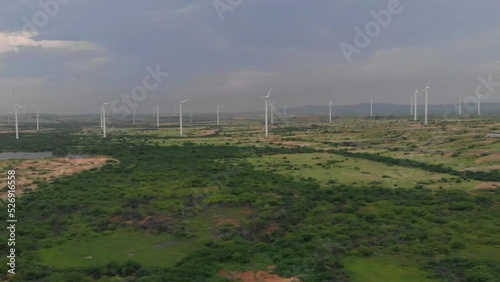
point(176, 208)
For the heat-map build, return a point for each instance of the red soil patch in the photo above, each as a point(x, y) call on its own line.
point(488, 185)
point(29, 171)
point(260, 276)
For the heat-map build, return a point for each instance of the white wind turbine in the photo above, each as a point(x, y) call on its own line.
point(157, 110)
point(15, 114)
point(331, 104)
point(460, 106)
point(180, 114)
point(133, 116)
point(267, 101)
point(415, 102)
point(371, 107)
point(37, 119)
point(427, 91)
point(191, 116)
point(103, 116)
point(218, 120)
point(479, 96)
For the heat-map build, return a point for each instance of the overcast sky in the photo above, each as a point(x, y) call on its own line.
point(218, 54)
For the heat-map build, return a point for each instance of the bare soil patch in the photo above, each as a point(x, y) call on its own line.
point(491, 159)
point(260, 276)
point(488, 185)
point(205, 132)
point(29, 171)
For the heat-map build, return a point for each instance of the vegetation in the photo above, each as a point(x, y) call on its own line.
point(185, 211)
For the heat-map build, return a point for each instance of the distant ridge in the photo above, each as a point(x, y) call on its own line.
point(487, 109)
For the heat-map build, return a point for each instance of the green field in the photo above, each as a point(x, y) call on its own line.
point(149, 250)
point(356, 200)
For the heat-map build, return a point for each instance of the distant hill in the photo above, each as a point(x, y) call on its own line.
point(392, 109)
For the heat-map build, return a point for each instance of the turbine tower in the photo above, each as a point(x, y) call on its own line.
point(266, 101)
point(157, 110)
point(427, 91)
point(191, 116)
point(415, 102)
point(16, 120)
point(180, 114)
point(479, 96)
point(331, 104)
point(218, 120)
point(460, 106)
point(133, 116)
point(272, 111)
point(37, 119)
point(371, 107)
point(103, 115)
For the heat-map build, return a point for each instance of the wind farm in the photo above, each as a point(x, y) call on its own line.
point(350, 153)
point(249, 141)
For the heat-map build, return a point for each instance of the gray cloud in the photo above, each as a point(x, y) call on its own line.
point(289, 43)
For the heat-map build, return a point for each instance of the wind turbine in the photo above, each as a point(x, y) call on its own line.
point(218, 120)
point(157, 110)
point(133, 116)
point(191, 116)
point(479, 96)
point(331, 104)
point(460, 106)
point(371, 107)
point(37, 119)
point(267, 101)
point(103, 115)
point(15, 114)
point(272, 111)
point(427, 91)
point(415, 102)
point(180, 113)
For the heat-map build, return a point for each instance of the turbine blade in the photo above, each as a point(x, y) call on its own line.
point(269, 93)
